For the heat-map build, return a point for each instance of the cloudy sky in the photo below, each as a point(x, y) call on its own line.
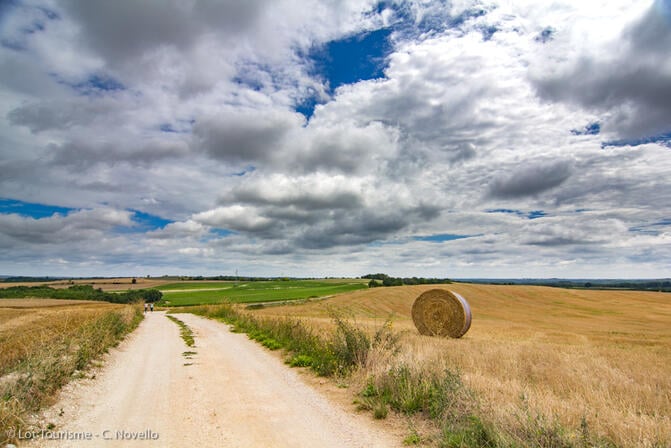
point(464, 138)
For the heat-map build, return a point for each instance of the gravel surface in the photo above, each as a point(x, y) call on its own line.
point(231, 393)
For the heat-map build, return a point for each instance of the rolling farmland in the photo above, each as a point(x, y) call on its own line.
point(554, 360)
point(546, 366)
point(201, 293)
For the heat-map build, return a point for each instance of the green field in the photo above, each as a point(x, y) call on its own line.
point(201, 293)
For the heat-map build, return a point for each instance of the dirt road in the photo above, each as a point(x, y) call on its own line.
point(233, 394)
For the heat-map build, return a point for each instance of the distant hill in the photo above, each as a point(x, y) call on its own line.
point(663, 284)
point(26, 279)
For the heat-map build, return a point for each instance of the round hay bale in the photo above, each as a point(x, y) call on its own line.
point(439, 312)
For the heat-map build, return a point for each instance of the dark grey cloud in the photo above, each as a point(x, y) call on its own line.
point(461, 152)
point(75, 226)
point(580, 230)
point(124, 31)
point(363, 226)
point(313, 219)
point(343, 147)
point(244, 136)
point(21, 74)
point(628, 81)
point(81, 153)
point(552, 240)
point(530, 179)
point(40, 116)
point(621, 178)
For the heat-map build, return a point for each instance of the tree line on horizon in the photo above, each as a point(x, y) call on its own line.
point(380, 280)
point(81, 292)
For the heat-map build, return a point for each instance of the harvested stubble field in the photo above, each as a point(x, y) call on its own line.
point(546, 364)
point(106, 284)
point(44, 343)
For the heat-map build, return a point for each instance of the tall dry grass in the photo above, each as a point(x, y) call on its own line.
point(549, 366)
point(43, 347)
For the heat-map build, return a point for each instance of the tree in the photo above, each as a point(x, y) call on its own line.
point(152, 295)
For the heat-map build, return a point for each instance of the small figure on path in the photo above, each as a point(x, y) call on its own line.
point(151, 307)
point(145, 308)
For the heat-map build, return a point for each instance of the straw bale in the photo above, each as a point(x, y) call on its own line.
point(439, 312)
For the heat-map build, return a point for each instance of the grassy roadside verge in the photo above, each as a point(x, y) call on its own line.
point(383, 382)
point(350, 351)
point(38, 359)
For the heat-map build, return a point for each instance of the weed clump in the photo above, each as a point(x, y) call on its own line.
point(184, 331)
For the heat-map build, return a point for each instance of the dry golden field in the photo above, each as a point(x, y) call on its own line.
point(593, 363)
point(44, 342)
point(27, 325)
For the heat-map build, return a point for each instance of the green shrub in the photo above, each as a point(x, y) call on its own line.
point(350, 345)
point(470, 432)
point(300, 361)
point(412, 439)
point(380, 410)
point(435, 394)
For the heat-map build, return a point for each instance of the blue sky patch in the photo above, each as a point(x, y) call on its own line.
point(167, 127)
point(534, 214)
point(488, 32)
point(662, 139)
point(221, 232)
point(664, 7)
point(146, 222)
point(461, 19)
point(441, 237)
point(49, 13)
point(364, 56)
point(247, 170)
point(31, 210)
point(357, 58)
point(180, 127)
point(6, 6)
point(307, 106)
point(99, 83)
point(347, 61)
point(505, 210)
point(652, 228)
point(249, 82)
point(18, 42)
point(546, 35)
point(215, 234)
point(590, 129)
point(392, 242)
